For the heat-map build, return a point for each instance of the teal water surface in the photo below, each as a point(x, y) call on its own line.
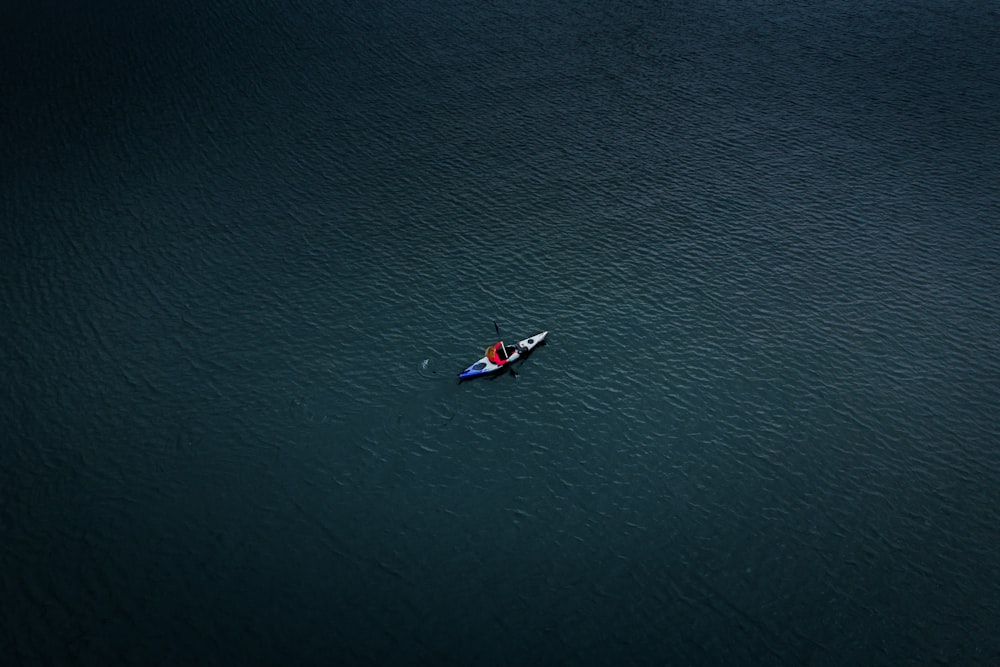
point(248, 248)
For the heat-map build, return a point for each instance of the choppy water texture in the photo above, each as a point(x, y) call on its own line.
point(247, 247)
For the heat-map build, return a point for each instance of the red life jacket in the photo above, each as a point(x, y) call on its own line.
point(493, 357)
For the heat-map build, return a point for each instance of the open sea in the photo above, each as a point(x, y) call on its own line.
point(245, 248)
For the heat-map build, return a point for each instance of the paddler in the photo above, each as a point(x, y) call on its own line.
point(494, 357)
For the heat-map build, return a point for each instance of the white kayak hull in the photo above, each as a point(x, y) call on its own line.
point(484, 366)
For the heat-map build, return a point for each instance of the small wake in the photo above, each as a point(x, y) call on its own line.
point(425, 371)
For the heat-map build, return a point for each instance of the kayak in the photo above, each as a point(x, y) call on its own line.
point(499, 356)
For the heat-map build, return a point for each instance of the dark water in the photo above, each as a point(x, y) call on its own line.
point(247, 246)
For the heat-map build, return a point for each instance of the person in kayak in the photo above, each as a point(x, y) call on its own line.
point(493, 356)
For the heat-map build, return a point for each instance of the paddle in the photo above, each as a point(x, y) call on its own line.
point(504, 348)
